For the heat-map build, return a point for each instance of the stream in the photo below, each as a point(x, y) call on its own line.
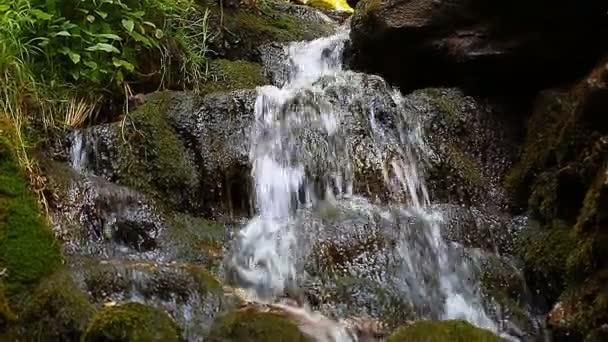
point(336, 166)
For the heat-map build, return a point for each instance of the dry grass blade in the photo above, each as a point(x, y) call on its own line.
point(78, 112)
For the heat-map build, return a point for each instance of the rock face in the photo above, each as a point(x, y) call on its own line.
point(502, 45)
point(561, 179)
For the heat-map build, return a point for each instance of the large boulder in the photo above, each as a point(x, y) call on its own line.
point(507, 45)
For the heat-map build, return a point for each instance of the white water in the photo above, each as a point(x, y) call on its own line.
point(287, 159)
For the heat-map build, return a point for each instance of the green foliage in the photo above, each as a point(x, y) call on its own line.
point(59, 60)
point(445, 331)
point(132, 322)
point(98, 41)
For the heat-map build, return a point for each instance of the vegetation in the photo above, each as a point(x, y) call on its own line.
point(251, 325)
point(67, 56)
point(28, 250)
point(434, 331)
point(132, 322)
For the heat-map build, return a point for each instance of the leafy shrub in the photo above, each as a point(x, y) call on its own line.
point(93, 48)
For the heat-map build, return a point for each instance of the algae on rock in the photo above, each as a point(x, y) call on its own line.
point(442, 331)
point(254, 326)
point(132, 322)
point(28, 249)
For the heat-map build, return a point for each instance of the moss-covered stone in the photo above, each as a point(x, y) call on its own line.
point(504, 289)
point(57, 310)
point(132, 322)
point(252, 325)
point(28, 249)
point(153, 159)
point(226, 75)
point(195, 239)
point(245, 30)
point(545, 253)
point(445, 331)
point(7, 316)
point(561, 180)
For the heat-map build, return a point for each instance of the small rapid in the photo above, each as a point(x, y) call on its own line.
point(305, 153)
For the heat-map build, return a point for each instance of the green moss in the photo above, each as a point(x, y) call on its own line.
point(443, 102)
point(57, 310)
point(246, 30)
point(7, 316)
point(545, 253)
point(196, 239)
point(505, 286)
point(254, 326)
point(445, 331)
point(206, 282)
point(28, 249)
point(226, 75)
point(131, 322)
point(153, 159)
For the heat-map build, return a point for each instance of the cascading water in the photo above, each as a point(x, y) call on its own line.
point(303, 153)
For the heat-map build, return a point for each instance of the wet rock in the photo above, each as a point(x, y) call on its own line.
point(274, 61)
point(442, 332)
point(478, 228)
point(506, 46)
point(132, 322)
point(581, 310)
point(187, 150)
point(189, 293)
point(473, 145)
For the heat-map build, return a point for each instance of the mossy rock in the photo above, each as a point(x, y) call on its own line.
point(227, 75)
point(7, 316)
point(247, 29)
point(442, 331)
point(57, 310)
point(132, 322)
point(153, 159)
point(28, 249)
point(254, 326)
point(545, 253)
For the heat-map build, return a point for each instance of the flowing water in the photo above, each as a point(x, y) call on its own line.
point(303, 154)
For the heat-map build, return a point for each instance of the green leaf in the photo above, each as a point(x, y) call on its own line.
point(74, 57)
point(41, 15)
point(108, 36)
point(103, 47)
point(151, 24)
point(90, 64)
point(62, 34)
point(75, 74)
point(120, 78)
point(51, 6)
point(4, 8)
point(43, 42)
point(90, 18)
point(124, 64)
point(128, 24)
point(103, 15)
point(141, 39)
point(158, 34)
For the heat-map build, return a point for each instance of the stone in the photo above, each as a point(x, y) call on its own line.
point(503, 46)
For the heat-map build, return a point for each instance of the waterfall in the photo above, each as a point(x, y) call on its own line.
point(302, 153)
